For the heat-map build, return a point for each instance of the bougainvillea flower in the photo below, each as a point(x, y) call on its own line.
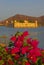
point(19, 62)
point(35, 43)
point(29, 40)
point(4, 63)
point(17, 56)
point(38, 52)
point(35, 51)
point(25, 49)
point(33, 58)
point(42, 60)
point(18, 43)
point(25, 33)
point(21, 38)
point(10, 62)
point(14, 50)
point(27, 63)
point(13, 39)
point(0, 57)
point(7, 49)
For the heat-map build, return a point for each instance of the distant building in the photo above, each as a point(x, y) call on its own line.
point(6, 23)
point(9, 23)
point(26, 24)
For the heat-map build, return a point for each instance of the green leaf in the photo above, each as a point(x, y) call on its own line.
point(25, 43)
point(39, 62)
point(10, 44)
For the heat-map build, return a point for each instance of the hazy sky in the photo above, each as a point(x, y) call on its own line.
point(27, 7)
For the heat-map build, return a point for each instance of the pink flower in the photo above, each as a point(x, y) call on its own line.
point(19, 62)
point(13, 39)
point(21, 38)
point(10, 62)
point(25, 49)
point(25, 33)
point(42, 60)
point(17, 56)
point(6, 49)
point(33, 58)
point(34, 43)
point(35, 51)
point(4, 63)
point(27, 63)
point(0, 57)
point(29, 40)
point(14, 50)
point(18, 43)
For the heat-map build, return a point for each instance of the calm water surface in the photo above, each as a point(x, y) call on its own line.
point(34, 33)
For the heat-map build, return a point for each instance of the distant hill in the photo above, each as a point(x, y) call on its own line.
point(24, 17)
point(21, 17)
point(41, 20)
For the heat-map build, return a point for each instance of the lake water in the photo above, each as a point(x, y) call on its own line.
point(34, 33)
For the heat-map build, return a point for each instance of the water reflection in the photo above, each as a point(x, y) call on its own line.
point(32, 34)
point(37, 33)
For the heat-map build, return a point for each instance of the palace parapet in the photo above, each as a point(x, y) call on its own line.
point(26, 24)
